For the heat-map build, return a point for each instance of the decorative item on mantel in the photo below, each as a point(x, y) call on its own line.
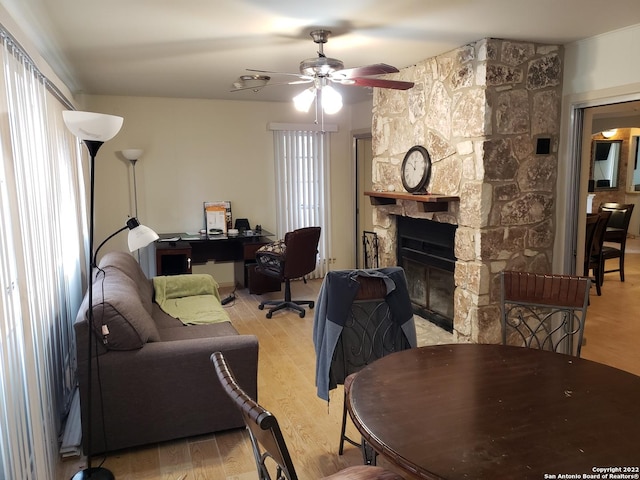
point(415, 171)
point(431, 202)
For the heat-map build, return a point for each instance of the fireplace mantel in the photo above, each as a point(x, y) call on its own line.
point(430, 202)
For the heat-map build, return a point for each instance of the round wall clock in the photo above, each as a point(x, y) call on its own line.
point(416, 170)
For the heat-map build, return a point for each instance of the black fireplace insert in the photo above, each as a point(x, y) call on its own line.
point(425, 249)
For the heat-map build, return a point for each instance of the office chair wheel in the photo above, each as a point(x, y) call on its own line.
point(311, 304)
point(260, 307)
point(269, 314)
point(301, 314)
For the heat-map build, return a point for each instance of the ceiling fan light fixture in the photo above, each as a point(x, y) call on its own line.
point(302, 102)
point(331, 100)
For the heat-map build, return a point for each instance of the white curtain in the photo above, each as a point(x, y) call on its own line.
point(302, 185)
point(42, 254)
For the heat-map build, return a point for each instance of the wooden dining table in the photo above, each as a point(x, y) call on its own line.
point(469, 411)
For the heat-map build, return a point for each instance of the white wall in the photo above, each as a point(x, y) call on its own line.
point(202, 150)
point(598, 70)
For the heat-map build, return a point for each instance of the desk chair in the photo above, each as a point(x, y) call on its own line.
point(544, 311)
point(616, 233)
point(291, 259)
point(267, 440)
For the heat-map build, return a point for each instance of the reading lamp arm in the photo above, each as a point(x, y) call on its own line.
point(131, 224)
point(94, 262)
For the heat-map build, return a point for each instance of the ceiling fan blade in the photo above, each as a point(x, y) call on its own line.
point(366, 70)
point(306, 77)
point(380, 83)
point(298, 82)
point(301, 81)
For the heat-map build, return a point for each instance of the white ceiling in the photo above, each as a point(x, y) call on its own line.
point(198, 48)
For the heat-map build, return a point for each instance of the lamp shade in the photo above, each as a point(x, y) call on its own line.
point(98, 127)
point(141, 236)
point(132, 153)
point(331, 100)
point(302, 102)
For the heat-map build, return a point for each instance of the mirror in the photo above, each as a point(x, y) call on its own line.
point(635, 182)
point(605, 163)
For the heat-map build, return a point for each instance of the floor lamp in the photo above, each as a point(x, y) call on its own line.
point(133, 155)
point(94, 129)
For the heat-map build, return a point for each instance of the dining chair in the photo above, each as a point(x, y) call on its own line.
point(596, 257)
point(292, 258)
point(590, 230)
point(375, 316)
point(268, 444)
point(544, 311)
point(616, 232)
point(369, 333)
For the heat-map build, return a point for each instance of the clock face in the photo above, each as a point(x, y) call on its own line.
point(416, 169)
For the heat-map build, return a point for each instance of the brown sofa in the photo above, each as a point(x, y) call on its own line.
point(153, 380)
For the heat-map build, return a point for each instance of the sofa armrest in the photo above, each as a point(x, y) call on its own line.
point(166, 390)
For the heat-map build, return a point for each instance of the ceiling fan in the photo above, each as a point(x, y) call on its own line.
point(322, 71)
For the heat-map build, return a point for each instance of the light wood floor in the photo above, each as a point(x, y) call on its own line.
point(310, 425)
point(612, 329)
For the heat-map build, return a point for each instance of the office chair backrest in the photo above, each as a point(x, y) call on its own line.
point(301, 252)
point(544, 311)
point(266, 437)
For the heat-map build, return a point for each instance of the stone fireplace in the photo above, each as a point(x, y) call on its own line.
point(489, 115)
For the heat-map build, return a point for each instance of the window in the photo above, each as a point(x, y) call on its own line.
point(302, 177)
point(41, 253)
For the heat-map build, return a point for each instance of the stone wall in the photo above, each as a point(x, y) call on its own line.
point(479, 110)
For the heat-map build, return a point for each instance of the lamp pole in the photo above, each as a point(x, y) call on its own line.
point(93, 129)
point(95, 473)
point(133, 155)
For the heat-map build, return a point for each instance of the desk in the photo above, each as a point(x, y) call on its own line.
point(239, 248)
point(492, 411)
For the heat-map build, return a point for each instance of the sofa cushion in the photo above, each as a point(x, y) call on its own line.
point(192, 332)
point(128, 265)
point(118, 305)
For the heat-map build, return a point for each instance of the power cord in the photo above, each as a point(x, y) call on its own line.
point(105, 332)
point(229, 298)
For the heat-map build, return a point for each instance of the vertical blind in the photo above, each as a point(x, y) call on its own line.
point(41, 262)
point(302, 182)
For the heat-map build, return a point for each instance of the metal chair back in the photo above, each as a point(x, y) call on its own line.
point(544, 311)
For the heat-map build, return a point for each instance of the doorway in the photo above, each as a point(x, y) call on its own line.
point(363, 164)
point(589, 123)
